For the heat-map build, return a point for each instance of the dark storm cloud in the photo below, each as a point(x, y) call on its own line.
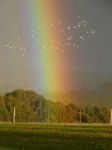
point(93, 54)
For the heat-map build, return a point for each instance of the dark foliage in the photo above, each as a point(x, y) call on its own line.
point(32, 107)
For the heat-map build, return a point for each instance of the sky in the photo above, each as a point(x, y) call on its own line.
point(86, 28)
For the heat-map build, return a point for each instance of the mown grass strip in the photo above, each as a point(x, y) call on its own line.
point(55, 137)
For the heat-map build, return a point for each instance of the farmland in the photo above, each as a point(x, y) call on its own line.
point(55, 137)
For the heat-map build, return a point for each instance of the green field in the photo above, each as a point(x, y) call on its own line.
point(55, 137)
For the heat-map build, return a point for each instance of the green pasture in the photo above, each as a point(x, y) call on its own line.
point(55, 137)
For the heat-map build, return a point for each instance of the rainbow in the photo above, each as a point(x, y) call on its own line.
point(41, 15)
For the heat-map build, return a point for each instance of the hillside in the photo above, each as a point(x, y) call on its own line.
point(32, 107)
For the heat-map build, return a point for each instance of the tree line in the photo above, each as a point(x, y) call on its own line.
point(33, 107)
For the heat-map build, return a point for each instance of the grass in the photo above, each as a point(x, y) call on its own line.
point(55, 137)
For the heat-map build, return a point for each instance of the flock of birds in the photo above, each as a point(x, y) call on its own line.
point(68, 37)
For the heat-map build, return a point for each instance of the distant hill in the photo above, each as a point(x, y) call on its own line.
point(14, 76)
point(33, 107)
point(81, 98)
